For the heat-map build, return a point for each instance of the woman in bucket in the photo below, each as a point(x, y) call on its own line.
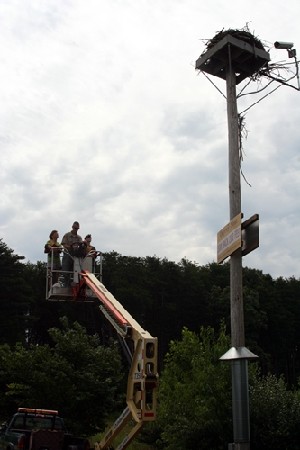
point(53, 248)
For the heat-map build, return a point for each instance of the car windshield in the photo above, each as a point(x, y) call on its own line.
point(37, 422)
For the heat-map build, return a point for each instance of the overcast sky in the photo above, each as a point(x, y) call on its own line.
point(104, 120)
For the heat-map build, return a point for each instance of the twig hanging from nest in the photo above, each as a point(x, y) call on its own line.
point(243, 134)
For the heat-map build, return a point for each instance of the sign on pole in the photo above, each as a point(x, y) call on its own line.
point(229, 238)
point(250, 234)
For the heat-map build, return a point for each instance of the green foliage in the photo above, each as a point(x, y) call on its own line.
point(275, 414)
point(194, 399)
point(77, 376)
point(164, 297)
point(15, 297)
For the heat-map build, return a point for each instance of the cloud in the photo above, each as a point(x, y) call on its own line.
point(104, 120)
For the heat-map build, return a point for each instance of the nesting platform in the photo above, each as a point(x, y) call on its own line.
point(246, 58)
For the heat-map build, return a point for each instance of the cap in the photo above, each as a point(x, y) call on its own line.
point(88, 236)
point(75, 224)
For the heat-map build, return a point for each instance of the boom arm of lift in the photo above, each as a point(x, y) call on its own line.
point(142, 381)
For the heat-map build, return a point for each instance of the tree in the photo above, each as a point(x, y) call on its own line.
point(77, 376)
point(195, 400)
point(275, 414)
point(15, 295)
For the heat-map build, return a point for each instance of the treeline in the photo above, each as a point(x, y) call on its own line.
point(62, 362)
point(163, 296)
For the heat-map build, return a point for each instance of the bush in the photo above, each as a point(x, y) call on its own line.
point(275, 414)
point(195, 400)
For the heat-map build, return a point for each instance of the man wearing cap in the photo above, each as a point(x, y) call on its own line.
point(70, 241)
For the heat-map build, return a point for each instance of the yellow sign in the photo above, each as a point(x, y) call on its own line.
point(229, 238)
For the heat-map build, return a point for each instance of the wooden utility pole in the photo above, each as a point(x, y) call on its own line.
point(236, 292)
point(234, 56)
point(239, 366)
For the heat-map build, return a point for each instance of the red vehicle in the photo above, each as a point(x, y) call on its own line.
point(38, 429)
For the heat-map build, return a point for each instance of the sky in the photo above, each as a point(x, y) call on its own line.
point(104, 120)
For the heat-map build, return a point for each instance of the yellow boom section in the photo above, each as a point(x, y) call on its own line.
point(142, 382)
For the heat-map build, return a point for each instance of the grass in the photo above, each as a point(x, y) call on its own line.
point(135, 444)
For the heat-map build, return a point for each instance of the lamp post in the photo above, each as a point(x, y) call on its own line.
point(234, 57)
